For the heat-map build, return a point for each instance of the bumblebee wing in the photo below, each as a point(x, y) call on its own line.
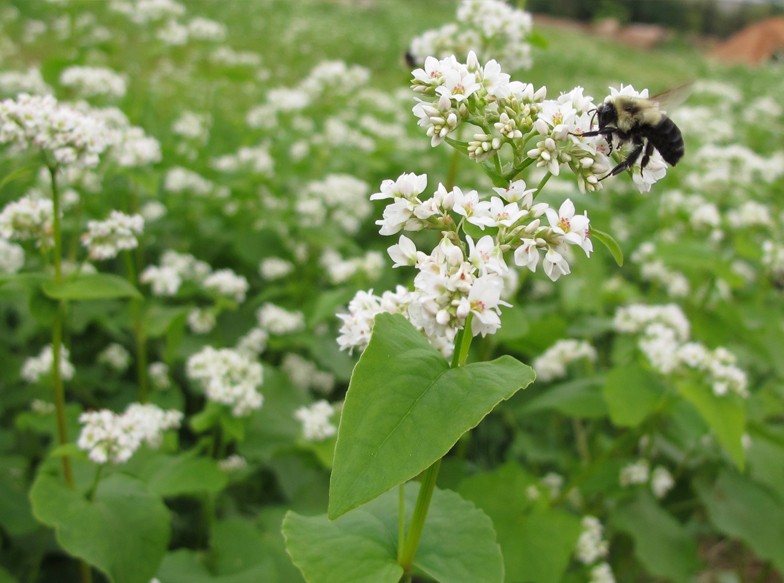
point(672, 98)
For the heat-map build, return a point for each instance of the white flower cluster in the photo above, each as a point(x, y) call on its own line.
point(652, 268)
point(159, 375)
point(602, 573)
point(224, 282)
point(39, 366)
point(30, 217)
point(272, 268)
point(227, 377)
point(11, 257)
point(339, 198)
point(105, 239)
point(229, 57)
point(513, 114)
point(341, 270)
point(664, 335)
point(316, 424)
point(591, 545)
point(772, 257)
point(112, 438)
point(458, 279)
point(278, 321)
point(305, 374)
point(201, 321)
point(30, 81)
point(93, 82)
point(181, 180)
point(115, 356)
point(192, 126)
point(66, 135)
point(335, 78)
point(253, 343)
point(204, 29)
point(485, 26)
point(254, 159)
point(637, 473)
point(552, 363)
point(175, 268)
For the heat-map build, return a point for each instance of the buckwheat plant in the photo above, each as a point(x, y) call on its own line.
point(406, 405)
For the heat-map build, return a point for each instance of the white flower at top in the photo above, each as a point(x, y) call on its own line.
point(65, 134)
point(108, 437)
point(661, 481)
point(105, 239)
point(227, 377)
point(602, 573)
point(635, 473)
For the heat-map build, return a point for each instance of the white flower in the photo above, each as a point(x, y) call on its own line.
point(602, 573)
point(555, 264)
point(277, 320)
point(273, 268)
point(233, 463)
point(165, 281)
point(115, 356)
point(527, 254)
point(552, 363)
point(225, 282)
point(227, 377)
point(36, 367)
point(105, 239)
point(484, 300)
point(661, 481)
point(29, 217)
point(574, 228)
point(93, 81)
point(159, 375)
point(591, 544)
point(635, 473)
point(201, 321)
point(404, 253)
point(11, 257)
point(316, 424)
point(112, 438)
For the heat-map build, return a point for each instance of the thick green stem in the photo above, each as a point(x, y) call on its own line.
point(407, 552)
point(452, 176)
point(57, 331)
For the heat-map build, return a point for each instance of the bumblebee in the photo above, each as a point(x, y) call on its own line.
point(642, 122)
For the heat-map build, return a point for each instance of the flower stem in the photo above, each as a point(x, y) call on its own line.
point(408, 550)
point(453, 164)
point(541, 184)
point(57, 331)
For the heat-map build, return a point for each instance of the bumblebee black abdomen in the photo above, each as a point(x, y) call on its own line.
point(667, 139)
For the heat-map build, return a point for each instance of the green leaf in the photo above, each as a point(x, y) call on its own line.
point(457, 544)
point(745, 510)
point(608, 241)
point(577, 398)
point(185, 474)
point(537, 543)
point(123, 532)
point(663, 546)
point(91, 286)
point(405, 408)
point(632, 393)
point(725, 415)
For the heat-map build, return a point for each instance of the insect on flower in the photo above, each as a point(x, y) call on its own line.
point(643, 122)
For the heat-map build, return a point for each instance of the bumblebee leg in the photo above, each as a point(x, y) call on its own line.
point(628, 163)
point(646, 157)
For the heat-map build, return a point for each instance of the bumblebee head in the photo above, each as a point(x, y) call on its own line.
point(607, 114)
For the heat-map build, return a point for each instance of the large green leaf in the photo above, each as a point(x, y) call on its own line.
point(725, 415)
point(457, 544)
point(405, 408)
point(123, 531)
point(743, 509)
point(91, 286)
point(661, 544)
point(632, 393)
point(537, 542)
